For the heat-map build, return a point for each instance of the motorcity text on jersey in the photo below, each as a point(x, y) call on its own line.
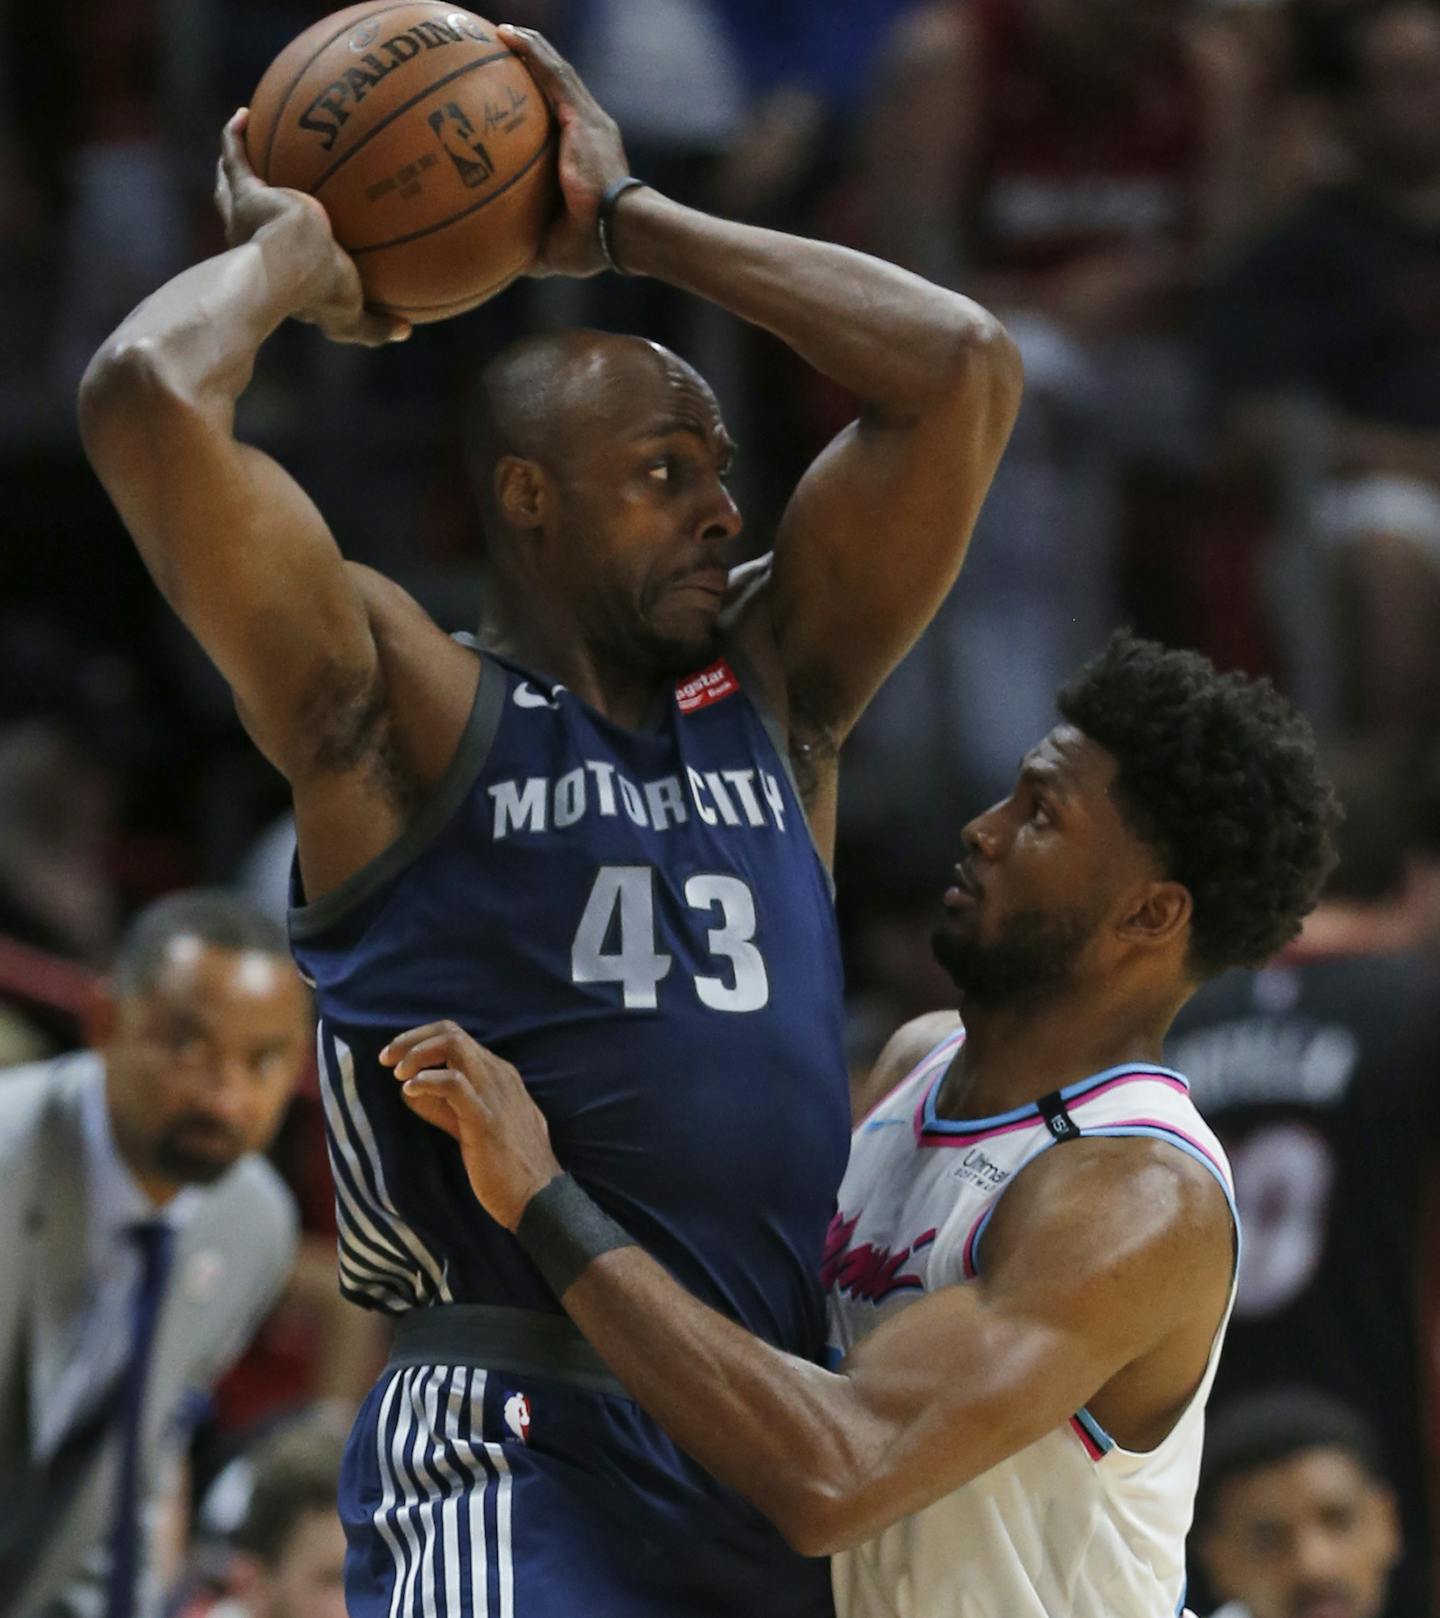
point(748, 798)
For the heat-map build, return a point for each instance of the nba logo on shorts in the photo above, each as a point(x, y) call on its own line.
point(517, 1416)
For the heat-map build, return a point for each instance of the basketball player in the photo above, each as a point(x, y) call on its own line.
point(583, 837)
point(1033, 1259)
point(1318, 1075)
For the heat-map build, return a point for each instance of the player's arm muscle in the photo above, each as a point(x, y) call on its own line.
point(875, 534)
point(236, 546)
point(1090, 1263)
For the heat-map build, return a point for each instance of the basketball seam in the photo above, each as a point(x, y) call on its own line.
point(404, 107)
point(415, 235)
point(461, 306)
point(320, 50)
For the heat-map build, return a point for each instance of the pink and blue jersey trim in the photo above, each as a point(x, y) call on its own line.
point(1094, 1440)
point(932, 1130)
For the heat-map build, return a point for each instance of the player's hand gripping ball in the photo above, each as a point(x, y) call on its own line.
point(428, 144)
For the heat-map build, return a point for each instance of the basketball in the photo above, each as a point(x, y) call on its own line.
point(426, 140)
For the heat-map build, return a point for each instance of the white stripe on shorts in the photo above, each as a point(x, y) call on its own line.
point(387, 1489)
point(444, 1382)
point(402, 1491)
point(435, 1481)
point(468, 1389)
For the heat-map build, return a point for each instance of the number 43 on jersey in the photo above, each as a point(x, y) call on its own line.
point(616, 940)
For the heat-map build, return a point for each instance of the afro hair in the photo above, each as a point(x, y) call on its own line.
point(1218, 773)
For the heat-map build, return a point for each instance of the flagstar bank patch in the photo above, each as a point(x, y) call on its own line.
point(707, 687)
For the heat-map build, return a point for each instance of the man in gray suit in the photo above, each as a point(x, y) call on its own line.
point(141, 1243)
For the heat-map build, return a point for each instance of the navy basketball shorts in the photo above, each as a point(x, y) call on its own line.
point(482, 1493)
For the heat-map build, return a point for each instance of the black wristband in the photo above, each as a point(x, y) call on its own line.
point(563, 1232)
point(604, 218)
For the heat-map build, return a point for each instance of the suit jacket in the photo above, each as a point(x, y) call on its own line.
point(232, 1255)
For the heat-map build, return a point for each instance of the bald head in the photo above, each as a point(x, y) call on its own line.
point(600, 463)
point(547, 398)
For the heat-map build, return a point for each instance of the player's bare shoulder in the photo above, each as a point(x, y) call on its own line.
point(1134, 1182)
point(1128, 1224)
point(905, 1049)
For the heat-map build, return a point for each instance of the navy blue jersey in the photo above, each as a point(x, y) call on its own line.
point(639, 921)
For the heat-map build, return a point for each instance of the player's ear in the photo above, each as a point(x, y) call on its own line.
point(521, 491)
point(1159, 912)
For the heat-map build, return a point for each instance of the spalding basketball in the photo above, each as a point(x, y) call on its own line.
point(426, 140)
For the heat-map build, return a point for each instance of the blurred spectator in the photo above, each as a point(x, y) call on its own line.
point(1074, 164)
point(887, 910)
point(807, 74)
point(264, 874)
point(1298, 50)
point(279, 1546)
point(1319, 1075)
point(125, 229)
point(672, 76)
point(57, 899)
point(144, 1243)
point(1324, 345)
point(1080, 159)
point(56, 822)
point(1294, 1517)
point(1424, 879)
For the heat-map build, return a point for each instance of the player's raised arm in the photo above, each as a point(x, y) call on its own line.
point(1106, 1275)
point(875, 534)
point(236, 546)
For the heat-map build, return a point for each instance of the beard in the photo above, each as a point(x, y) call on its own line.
point(637, 628)
point(1033, 956)
point(665, 655)
point(179, 1159)
point(631, 637)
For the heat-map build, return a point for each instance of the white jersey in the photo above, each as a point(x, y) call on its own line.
point(1073, 1526)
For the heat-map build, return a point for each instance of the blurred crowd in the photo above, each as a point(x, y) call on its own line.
point(1213, 228)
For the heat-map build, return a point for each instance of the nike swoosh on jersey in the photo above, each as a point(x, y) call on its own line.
point(526, 696)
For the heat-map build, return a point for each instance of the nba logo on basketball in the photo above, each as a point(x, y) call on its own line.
point(456, 134)
point(517, 1416)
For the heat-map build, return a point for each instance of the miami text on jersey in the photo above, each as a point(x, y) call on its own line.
point(866, 1271)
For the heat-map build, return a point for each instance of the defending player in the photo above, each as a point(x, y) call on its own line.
point(583, 838)
point(1033, 1260)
